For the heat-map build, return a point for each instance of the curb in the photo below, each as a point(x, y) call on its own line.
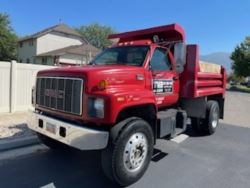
point(18, 143)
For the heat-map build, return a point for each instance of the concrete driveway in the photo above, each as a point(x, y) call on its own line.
point(237, 109)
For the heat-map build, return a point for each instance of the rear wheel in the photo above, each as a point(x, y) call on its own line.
point(212, 117)
point(126, 159)
point(196, 124)
point(210, 123)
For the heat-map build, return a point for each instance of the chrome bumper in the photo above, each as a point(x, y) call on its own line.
point(75, 136)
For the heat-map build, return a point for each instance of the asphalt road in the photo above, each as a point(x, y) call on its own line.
point(220, 160)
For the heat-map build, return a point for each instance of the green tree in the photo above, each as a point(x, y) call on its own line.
point(96, 34)
point(8, 39)
point(241, 59)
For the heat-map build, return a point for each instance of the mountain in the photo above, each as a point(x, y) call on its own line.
point(221, 58)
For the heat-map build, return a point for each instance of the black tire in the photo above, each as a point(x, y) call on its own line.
point(113, 161)
point(51, 143)
point(211, 121)
point(196, 124)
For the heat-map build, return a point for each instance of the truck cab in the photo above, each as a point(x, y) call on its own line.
point(143, 88)
point(158, 65)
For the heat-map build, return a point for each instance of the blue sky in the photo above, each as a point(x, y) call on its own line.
point(217, 26)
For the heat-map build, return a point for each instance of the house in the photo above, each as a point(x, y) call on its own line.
point(59, 44)
point(75, 54)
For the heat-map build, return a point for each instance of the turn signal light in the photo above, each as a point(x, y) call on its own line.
point(103, 84)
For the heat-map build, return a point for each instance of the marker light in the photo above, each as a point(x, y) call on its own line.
point(103, 84)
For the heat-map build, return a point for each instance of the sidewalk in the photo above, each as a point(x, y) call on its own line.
point(14, 132)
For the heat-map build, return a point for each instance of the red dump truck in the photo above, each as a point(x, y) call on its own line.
point(143, 88)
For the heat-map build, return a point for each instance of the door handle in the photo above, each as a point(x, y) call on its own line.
point(158, 74)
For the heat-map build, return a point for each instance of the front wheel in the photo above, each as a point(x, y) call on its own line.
point(126, 159)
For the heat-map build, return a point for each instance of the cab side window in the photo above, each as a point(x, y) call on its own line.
point(160, 60)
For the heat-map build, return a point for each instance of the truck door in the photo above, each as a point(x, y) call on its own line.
point(165, 81)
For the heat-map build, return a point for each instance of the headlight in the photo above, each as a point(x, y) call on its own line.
point(96, 107)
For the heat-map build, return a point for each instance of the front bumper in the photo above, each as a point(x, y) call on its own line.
point(75, 136)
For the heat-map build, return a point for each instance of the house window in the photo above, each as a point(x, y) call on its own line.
point(31, 42)
point(27, 60)
point(20, 44)
point(44, 60)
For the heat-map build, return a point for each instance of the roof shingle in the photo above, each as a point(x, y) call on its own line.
point(61, 28)
point(83, 49)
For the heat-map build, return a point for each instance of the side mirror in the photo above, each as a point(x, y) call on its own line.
point(180, 56)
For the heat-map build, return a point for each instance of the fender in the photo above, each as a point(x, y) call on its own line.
point(114, 132)
point(131, 99)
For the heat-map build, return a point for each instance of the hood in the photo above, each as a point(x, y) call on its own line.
point(115, 75)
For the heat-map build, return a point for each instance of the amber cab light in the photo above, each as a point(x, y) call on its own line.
point(103, 84)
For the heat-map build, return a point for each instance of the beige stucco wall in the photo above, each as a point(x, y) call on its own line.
point(53, 41)
point(27, 51)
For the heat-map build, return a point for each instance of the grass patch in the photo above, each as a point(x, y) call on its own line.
point(240, 89)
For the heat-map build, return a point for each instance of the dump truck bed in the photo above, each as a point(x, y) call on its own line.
point(201, 79)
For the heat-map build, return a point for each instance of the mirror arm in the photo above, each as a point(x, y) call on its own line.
point(149, 65)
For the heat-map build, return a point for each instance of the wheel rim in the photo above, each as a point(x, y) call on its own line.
point(215, 118)
point(135, 152)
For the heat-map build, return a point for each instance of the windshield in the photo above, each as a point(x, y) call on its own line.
point(125, 55)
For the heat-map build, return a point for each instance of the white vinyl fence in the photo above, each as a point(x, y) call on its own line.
point(16, 82)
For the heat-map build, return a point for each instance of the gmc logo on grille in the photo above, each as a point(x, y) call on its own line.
point(54, 93)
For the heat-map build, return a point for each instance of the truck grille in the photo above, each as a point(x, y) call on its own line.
point(60, 93)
